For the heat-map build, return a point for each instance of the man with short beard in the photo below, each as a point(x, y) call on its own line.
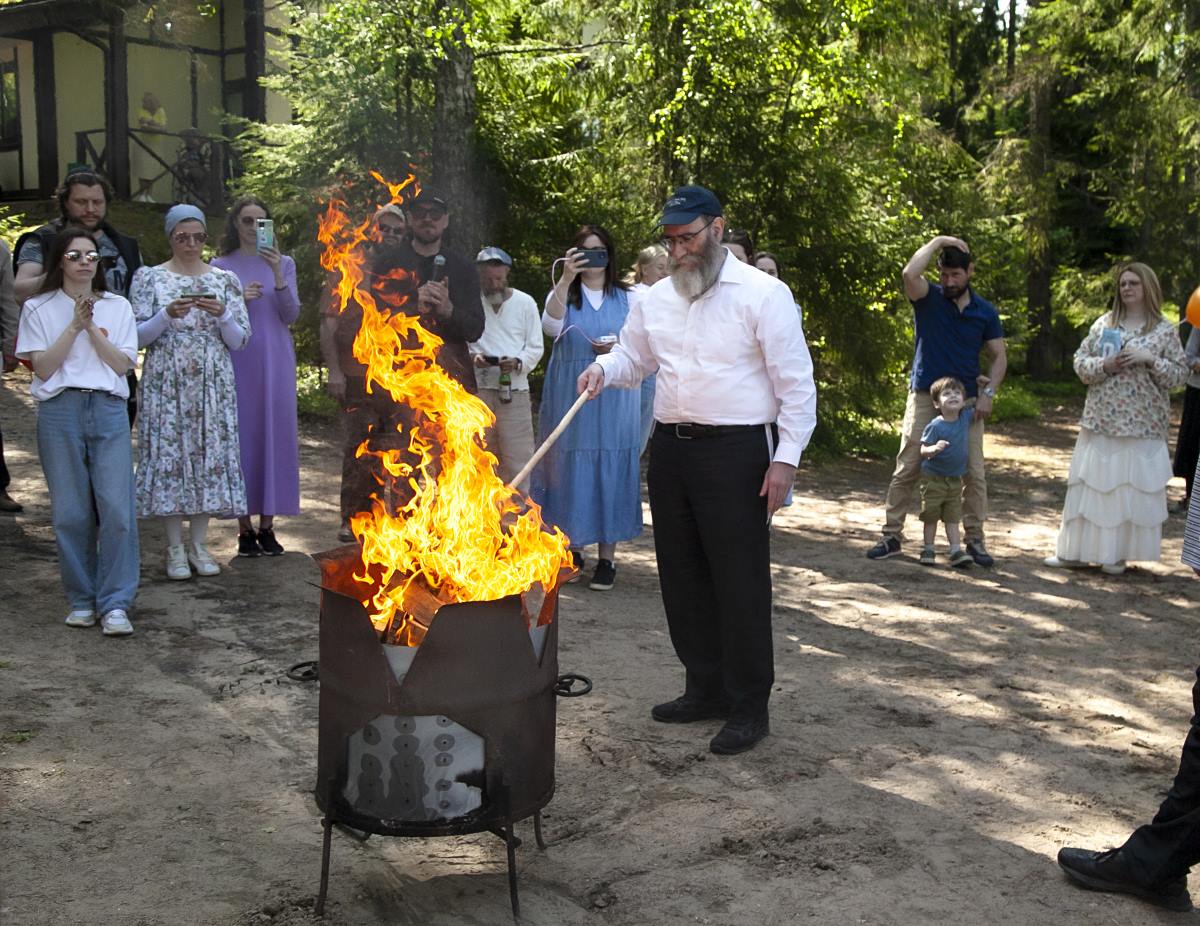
point(511, 344)
point(734, 408)
point(953, 325)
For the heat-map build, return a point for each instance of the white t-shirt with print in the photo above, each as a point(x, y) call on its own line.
point(43, 320)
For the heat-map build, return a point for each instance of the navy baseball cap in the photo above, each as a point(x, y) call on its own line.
point(688, 202)
point(492, 253)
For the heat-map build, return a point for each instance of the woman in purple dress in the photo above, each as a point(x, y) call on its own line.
point(265, 373)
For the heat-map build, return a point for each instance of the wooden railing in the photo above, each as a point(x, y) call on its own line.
point(199, 168)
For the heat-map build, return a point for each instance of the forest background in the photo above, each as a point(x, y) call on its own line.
point(1057, 137)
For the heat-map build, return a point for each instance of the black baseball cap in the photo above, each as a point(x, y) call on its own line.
point(688, 202)
point(429, 197)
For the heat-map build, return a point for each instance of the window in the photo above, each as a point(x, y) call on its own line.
point(10, 113)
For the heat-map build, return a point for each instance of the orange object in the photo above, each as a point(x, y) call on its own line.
point(1193, 307)
point(442, 519)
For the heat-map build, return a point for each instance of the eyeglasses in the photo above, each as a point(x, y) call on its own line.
point(392, 230)
point(248, 219)
point(88, 257)
point(190, 238)
point(427, 212)
point(670, 242)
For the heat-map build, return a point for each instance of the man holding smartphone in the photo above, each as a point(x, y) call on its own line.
point(447, 294)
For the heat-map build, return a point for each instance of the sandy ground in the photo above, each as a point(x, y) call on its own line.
point(936, 735)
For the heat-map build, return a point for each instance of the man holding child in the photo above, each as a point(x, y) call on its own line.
point(953, 326)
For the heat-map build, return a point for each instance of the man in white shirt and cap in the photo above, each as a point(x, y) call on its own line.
point(734, 409)
point(509, 348)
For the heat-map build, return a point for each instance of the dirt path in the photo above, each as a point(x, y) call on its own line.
point(937, 735)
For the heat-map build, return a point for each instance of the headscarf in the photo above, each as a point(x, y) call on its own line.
point(183, 212)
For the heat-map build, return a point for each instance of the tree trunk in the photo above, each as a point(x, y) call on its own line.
point(1039, 224)
point(455, 164)
point(1011, 40)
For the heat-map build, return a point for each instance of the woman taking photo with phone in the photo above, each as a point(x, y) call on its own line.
point(265, 372)
point(81, 341)
point(589, 482)
point(190, 316)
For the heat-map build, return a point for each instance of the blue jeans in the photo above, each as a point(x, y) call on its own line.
point(83, 441)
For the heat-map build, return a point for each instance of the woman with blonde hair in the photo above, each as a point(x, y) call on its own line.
point(1117, 487)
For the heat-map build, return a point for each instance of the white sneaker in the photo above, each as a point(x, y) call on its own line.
point(202, 560)
point(116, 624)
point(1113, 569)
point(1055, 563)
point(82, 618)
point(177, 562)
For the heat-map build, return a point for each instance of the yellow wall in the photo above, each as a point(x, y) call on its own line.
point(79, 93)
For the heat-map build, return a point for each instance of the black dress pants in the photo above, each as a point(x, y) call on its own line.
point(1164, 849)
point(712, 543)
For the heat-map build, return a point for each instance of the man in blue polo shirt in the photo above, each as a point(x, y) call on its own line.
point(953, 327)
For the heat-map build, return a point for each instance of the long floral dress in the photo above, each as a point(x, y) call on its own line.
point(1116, 489)
point(189, 461)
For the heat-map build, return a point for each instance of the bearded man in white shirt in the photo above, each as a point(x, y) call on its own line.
point(509, 348)
point(734, 408)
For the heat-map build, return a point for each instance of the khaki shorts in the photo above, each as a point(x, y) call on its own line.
point(941, 499)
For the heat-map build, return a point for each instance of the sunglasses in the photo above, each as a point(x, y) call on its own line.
point(427, 212)
point(88, 257)
point(393, 230)
point(190, 238)
point(249, 219)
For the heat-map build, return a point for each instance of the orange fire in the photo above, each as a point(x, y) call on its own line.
point(463, 533)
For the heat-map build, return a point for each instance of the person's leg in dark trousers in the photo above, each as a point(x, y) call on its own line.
point(1165, 848)
point(358, 418)
point(7, 505)
point(713, 548)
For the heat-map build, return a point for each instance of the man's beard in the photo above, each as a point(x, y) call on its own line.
point(694, 281)
point(425, 236)
point(953, 292)
point(494, 297)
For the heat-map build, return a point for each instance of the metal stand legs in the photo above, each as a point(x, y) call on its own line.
point(319, 909)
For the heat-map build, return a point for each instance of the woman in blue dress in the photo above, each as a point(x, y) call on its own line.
point(589, 482)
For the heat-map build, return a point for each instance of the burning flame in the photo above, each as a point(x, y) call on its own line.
point(463, 533)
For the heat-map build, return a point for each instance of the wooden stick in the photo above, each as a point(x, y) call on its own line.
point(549, 441)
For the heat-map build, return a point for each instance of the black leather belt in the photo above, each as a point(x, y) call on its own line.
point(685, 430)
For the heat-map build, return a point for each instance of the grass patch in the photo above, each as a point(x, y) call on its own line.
point(312, 399)
point(13, 737)
point(1054, 388)
point(1015, 402)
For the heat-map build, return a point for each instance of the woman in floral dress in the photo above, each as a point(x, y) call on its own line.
point(190, 316)
point(1117, 488)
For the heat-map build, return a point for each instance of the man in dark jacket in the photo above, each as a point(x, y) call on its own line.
point(83, 200)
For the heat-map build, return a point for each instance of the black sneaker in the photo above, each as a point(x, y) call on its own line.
point(888, 546)
point(604, 576)
point(248, 544)
point(345, 535)
point(266, 540)
point(979, 553)
point(577, 561)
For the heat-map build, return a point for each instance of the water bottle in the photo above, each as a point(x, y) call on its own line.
point(505, 386)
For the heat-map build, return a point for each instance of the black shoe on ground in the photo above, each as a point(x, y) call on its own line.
point(345, 535)
point(266, 540)
point(577, 562)
point(888, 546)
point(248, 544)
point(1106, 871)
point(979, 553)
point(7, 505)
point(688, 709)
point(604, 576)
point(739, 735)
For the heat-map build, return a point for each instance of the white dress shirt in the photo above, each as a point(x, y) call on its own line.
point(513, 330)
point(736, 355)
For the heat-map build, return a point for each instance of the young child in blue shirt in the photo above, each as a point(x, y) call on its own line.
point(943, 463)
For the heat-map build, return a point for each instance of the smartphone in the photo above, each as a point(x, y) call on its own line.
point(494, 361)
point(264, 233)
point(596, 257)
point(195, 295)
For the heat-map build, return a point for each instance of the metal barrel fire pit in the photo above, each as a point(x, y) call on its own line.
point(453, 736)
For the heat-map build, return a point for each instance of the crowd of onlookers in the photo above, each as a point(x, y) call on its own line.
point(215, 409)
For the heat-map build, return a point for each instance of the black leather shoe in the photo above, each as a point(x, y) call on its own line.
point(739, 735)
point(1106, 871)
point(688, 709)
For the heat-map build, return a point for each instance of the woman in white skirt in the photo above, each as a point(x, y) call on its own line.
point(1117, 488)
